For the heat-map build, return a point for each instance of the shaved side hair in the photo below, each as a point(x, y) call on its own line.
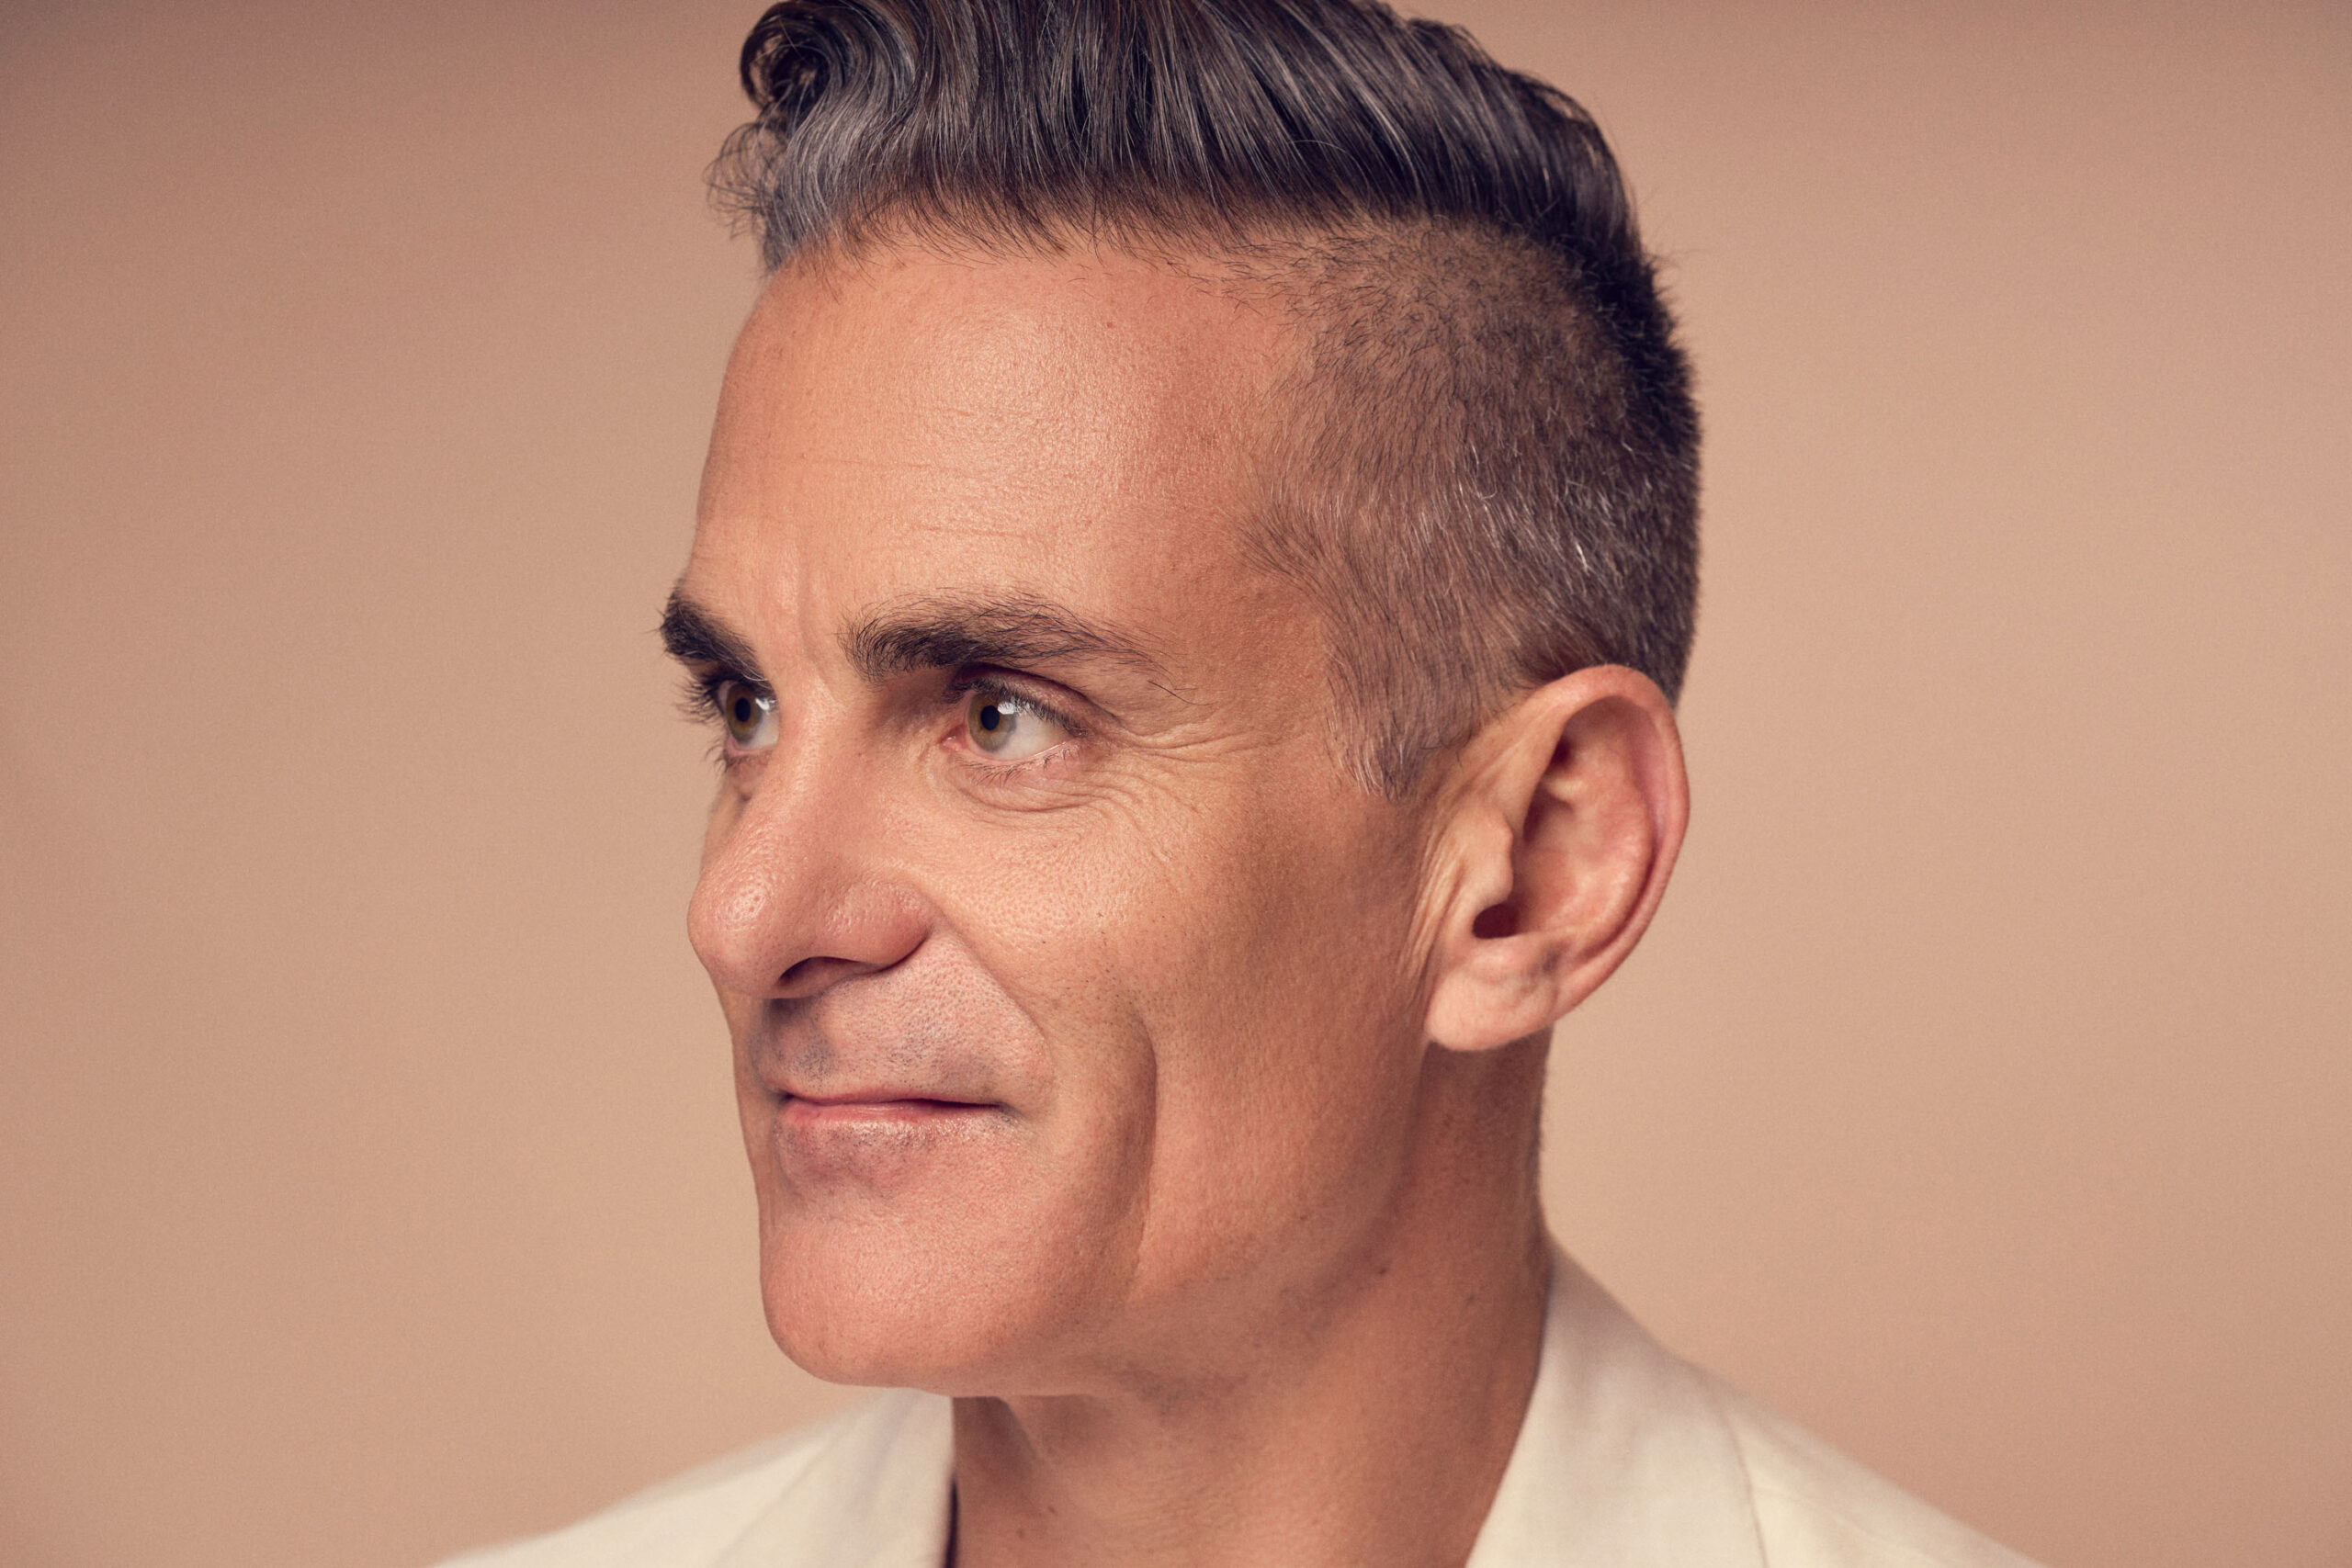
point(1484, 466)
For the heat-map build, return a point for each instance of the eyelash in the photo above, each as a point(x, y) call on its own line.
point(698, 695)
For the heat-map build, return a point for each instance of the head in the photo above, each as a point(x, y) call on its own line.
point(1195, 560)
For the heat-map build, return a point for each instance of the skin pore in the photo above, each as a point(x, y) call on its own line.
point(1108, 1057)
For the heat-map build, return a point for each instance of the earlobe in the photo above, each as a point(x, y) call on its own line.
point(1566, 825)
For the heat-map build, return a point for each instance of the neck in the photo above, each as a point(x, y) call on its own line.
point(1374, 1434)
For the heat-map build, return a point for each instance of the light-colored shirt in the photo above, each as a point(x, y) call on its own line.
point(1628, 1457)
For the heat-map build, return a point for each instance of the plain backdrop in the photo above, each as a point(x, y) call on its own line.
point(368, 1179)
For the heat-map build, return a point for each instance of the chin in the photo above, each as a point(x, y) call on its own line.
point(957, 1255)
point(958, 1249)
point(962, 1310)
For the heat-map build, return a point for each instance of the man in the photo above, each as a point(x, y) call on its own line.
point(1197, 555)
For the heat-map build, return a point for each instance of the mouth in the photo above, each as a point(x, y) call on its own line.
point(877, 1106)
point(874, 1141)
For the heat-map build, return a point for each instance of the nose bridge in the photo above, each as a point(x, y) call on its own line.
point(792, 878)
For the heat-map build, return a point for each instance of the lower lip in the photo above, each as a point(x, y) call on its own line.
point(870, 1145)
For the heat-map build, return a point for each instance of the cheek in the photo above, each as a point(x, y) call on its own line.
point(1287, 1085)
point(1050, 939)
point(1260, 967)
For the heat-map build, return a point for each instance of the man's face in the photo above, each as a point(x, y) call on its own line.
point(1073, 984)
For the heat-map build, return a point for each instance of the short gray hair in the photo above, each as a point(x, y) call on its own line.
point(1490, 477)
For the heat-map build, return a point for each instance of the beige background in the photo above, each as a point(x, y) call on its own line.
point(367, 1178)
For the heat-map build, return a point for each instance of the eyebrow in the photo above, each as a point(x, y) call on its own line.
point(692, 634)
point(932, 632)
point(944, 632)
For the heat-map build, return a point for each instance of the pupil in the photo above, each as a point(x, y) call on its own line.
point(742, 710)
point(990, 717)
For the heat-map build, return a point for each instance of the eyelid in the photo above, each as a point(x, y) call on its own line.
point(699, 700)
point(1024, 690)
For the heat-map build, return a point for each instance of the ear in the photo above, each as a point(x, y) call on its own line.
point(1566, 815)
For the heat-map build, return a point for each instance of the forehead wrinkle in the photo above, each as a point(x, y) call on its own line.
point(945, 631)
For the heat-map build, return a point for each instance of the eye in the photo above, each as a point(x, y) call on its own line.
point(1009, 727)
point(748, 713)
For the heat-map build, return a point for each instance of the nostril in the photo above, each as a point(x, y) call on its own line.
point(811, 975)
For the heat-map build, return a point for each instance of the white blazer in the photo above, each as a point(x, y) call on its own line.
point(1629, 1458)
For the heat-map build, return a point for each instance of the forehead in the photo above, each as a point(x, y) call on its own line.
point(1089, 429)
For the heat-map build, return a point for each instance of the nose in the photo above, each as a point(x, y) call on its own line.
point(788, 902)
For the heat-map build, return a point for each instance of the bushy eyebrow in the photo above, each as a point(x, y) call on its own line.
point(933, 632)
point(692, 634)
point(945, 632)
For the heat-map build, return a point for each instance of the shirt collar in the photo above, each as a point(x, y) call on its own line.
point(875, 1495)
point(1622, 1461)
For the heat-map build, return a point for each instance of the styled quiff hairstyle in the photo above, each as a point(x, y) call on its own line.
point(1487, 475)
